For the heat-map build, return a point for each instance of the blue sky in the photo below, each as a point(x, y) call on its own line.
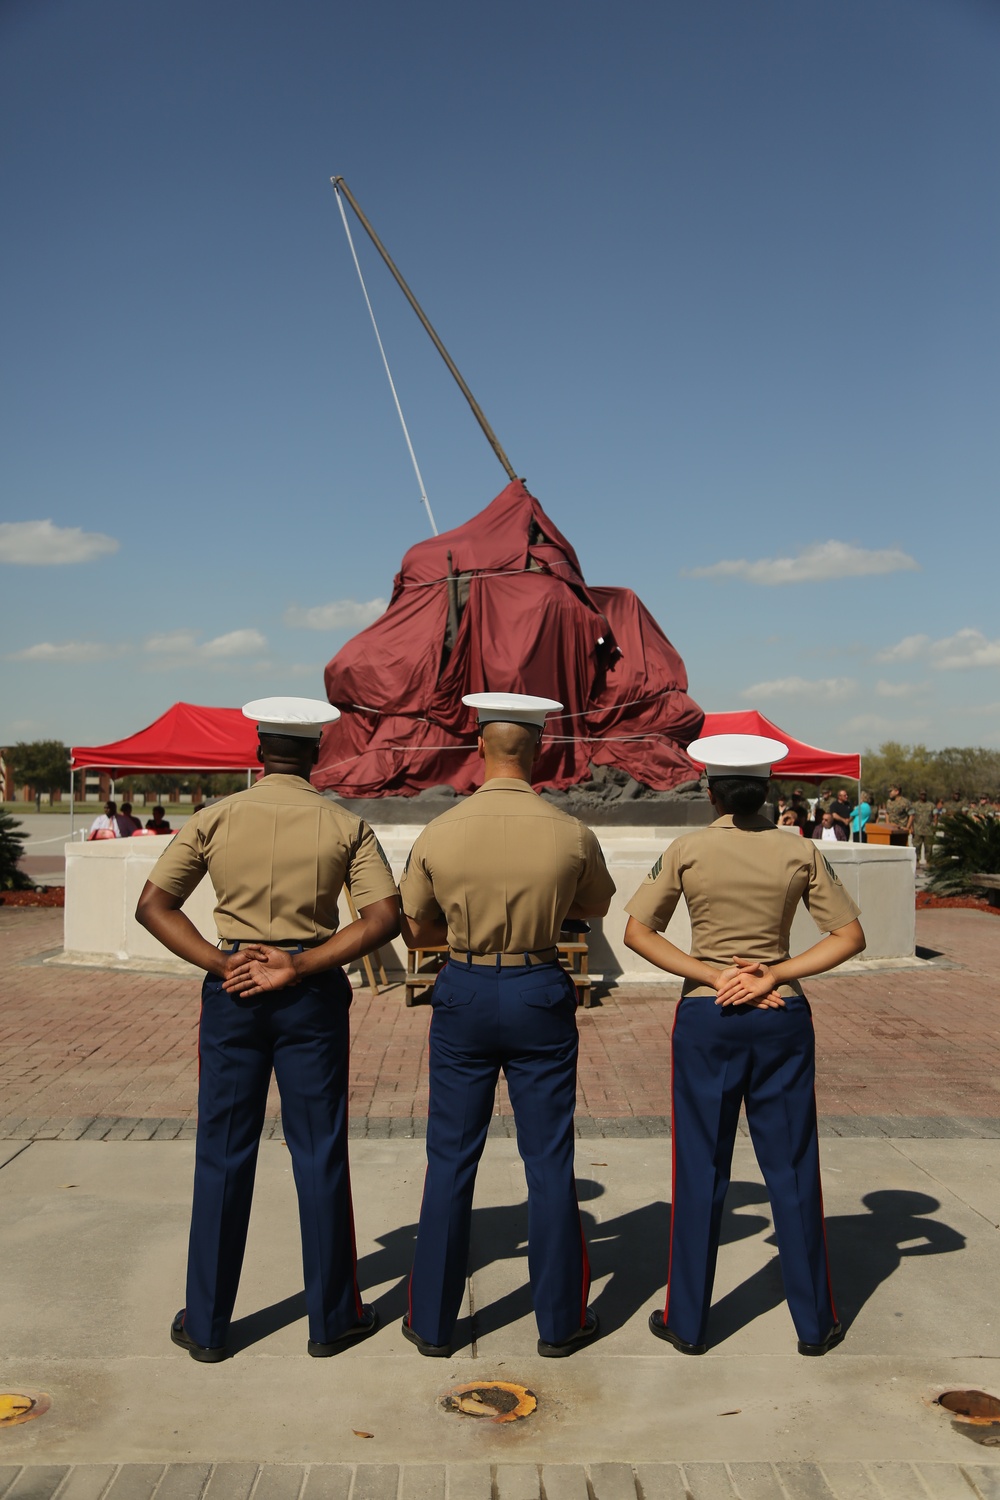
point(723, 276)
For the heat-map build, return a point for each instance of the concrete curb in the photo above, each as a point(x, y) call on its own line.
point(411, 1127)
point(483, 1481)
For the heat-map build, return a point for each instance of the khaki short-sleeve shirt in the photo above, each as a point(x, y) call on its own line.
point(278, 856)
point(503, 868)
point(742, 881)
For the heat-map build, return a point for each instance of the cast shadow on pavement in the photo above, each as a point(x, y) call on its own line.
point(865, 1249)
point(266, 1320)
point(629, 1250)
point(629, 1254)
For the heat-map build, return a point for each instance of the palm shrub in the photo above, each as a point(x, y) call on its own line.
point(11, 840)
point(964, 848)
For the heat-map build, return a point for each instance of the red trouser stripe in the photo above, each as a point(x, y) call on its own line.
point(673, 1160)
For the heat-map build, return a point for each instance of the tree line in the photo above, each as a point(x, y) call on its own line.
point(971, 771)
point(44, 766)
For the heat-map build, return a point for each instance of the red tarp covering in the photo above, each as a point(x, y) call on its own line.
point(527, 623)
point(185, 738)
point(802, 760)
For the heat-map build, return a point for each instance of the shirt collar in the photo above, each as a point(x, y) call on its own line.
point(748, 822)
point(279, 776)
point(505, 784)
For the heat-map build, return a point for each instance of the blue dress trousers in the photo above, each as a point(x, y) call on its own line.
point(722, 1057)
point(521, 1021)
point(303, 1034)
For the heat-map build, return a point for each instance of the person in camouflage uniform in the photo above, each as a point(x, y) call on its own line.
point(922, 827)
point(897, 812)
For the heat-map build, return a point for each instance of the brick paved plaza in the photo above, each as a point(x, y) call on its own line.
point(113, 1054)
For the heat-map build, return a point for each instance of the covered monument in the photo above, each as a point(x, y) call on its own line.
point(500, 605)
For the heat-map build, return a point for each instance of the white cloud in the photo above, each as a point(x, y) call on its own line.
point(908, 649)
point(879, 724)
point(68, 651)
point(39, 543)
point(900, 689)
point(184, 644)
point(825, 688)
point(234, 643)
point(966, 648)
point(818, 563)
point(172, 641)
point(341, 614)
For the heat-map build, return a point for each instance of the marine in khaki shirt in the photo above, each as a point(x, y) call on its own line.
point(275, 998)
point(504, 869)
point(496, 877)
point(743, 1035)
point(742, 879)
point(278, 855)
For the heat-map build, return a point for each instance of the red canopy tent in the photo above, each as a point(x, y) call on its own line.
point(802, 760)
point(186, 738)
point(500, 605)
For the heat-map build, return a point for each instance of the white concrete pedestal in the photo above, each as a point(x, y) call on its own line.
point(104, 879)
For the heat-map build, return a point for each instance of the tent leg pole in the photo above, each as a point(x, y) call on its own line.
point(72, 779)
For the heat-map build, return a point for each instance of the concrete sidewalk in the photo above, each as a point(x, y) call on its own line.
point(93, 1245)
point(98, 1080)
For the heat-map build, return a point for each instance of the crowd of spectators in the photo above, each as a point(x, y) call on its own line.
point(836, 816)
point(112, 824)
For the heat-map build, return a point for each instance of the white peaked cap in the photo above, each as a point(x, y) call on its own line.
point(737, 754)
point(511, 708)
point(302, 718)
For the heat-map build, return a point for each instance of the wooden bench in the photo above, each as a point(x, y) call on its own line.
point(422, 965)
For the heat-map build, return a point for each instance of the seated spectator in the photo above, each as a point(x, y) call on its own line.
point(790, 819)
point(828, 831)
point(158, 823)
point(126, 822)
point(107, 825)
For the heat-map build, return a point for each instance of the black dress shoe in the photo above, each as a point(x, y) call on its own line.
point(432, 1351)
point(591, 1328)
point(362, 1330)
point(183, 1339)
point(833, 1338)
point(657, 1326)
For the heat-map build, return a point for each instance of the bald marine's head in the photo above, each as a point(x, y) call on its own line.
point(508, 749)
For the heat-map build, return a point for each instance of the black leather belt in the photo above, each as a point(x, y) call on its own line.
point(289, 945)
point(522, 960)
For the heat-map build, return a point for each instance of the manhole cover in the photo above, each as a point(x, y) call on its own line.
point(494, 1400)
point(971, 1406)
point(22, 1406)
